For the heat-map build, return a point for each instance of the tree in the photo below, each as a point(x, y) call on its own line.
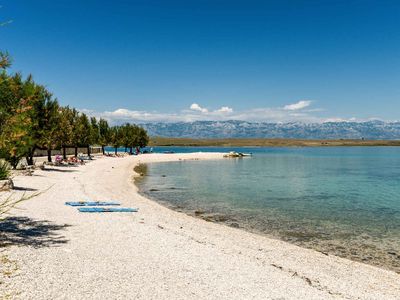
point(5, 60)
point(48, 121)
point(115, 137)
point(43, 117)
point(76, 130)
point(104, 134)
point(14, 138)
point(126, 135)
point(66, 124)
point(83, 131)
point(133, 137)
point(30, 119)
point(143, 140)
point(17, 100)
point(8, 98)
point(27, 115)
point(94, 132)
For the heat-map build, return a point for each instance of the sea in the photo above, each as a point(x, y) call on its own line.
point(343, 201)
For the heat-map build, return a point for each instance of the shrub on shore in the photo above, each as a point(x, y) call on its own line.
point(4, 170)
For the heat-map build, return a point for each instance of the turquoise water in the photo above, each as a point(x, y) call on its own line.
point(344, 201)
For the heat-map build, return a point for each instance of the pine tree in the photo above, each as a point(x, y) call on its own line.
point(104, 134)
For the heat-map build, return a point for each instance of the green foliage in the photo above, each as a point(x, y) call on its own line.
point(66, 126)
point(94, 131)
point(76, 128)
point(83, 130)
point(47, 118)
point(5, 60)
point(17, 101)
point(116, 136)
point(30, 118)
point(132, 136)
point(104, 133)
point(4, 170)
point(143, 138)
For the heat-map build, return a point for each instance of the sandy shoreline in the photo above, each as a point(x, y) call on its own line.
point(157, 253)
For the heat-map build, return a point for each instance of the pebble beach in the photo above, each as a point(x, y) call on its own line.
point(52, 251)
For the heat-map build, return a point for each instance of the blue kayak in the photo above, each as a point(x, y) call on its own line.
point(93, 203)
point(106, 209)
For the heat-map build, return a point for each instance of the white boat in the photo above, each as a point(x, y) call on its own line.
point(237, 154)
point(245, 154)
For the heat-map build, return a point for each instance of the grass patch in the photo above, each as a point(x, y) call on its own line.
point(4, 170)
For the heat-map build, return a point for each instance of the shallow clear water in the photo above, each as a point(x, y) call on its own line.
point(344, 200)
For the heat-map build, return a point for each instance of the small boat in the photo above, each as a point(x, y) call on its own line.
point(234, 154)
point(245, 154)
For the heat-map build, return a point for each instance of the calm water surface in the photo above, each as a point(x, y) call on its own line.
point(344, 201)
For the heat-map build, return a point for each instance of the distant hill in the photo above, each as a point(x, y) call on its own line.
point(372, 130)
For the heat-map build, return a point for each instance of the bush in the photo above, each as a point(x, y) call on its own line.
point(4, 170)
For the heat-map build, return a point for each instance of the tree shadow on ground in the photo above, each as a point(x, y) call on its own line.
point(58, 170)
point(21, 188)
point(23, 231)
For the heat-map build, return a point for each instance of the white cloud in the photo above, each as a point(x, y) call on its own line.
point(126, 115)
point(298, 106)
point(225, 109)
point(290, 113)
point(197, 107)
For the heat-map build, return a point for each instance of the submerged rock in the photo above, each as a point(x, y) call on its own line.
point(208, 219)
point(220, 218)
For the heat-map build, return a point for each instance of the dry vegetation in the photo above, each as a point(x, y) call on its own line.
point(162, 141)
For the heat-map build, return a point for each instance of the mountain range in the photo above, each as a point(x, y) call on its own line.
point(375, 130)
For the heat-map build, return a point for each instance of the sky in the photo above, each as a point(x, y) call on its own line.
point(269, 61)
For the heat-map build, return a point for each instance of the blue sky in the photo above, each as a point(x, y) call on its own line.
point(192, 60)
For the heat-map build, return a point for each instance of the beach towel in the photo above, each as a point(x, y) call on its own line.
point(106, 209)
point(92, 203)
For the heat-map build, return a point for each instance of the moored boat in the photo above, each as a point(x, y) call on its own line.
point(234, 154)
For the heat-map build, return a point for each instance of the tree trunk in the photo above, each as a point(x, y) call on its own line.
point(29, 158)
point(102, 149)
point(49, 155)
point(76, 151)
point(14, 162)
point(64, 152)
point(115, 151)
point(88, 151)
